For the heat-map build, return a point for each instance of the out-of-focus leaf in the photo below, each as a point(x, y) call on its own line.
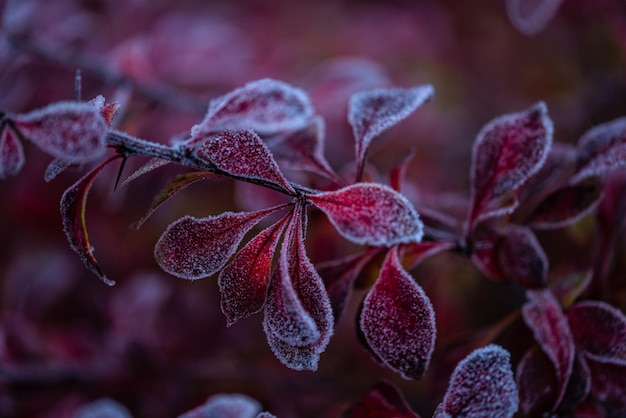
point(103, 408)
point(372, 112)
point(107, 110)
point(73, 205)
point(531, 16)
point(11, 154)
point(481, 386)
point(266, 106)
point(244, 282)
point(382, 401)
point(567, 288)
point(414, 254)
point(371, 214)
point(507, 151)
point(56, 167)
point(601, 149)
point(398, 172)
point(177, 184)
point(73, 131)
point(226, 406)
point(599, 331)
point(243, 154)
point(565, 206)
point(398, 320)
point(536, 381)
point(544, 316)
point(192, 248)
point(609, 383)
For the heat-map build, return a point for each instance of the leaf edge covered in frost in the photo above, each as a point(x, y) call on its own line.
point(532, 25)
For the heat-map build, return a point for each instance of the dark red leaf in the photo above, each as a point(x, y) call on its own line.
point(371, 214)
point(192, 248)
point(245, 280)
point(531, 16)
point(243, 154)
point(481, 386)
point(414, 254)
point(565, 206)
point(265, 106)
point(11, 154)
point(544, 316)
point(599, 331)
point(507, 151)
point(73, 131)
point(225, 406)
point(608, 383)
point(177, 184)
point(372, 112)
point(536, 381)
point(601, 149)
point(567, 288)
point(73, 205)
point(382, 401)
point(398, 172)
point(398, 320)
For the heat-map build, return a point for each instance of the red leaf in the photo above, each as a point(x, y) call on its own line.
point(608, 383)
point(601, 149)
point(265, 106)
point(382, 401)
point(568, 287)
point(536, 381)
point(192, 248)
point(531, 16)
point(414, 254)
point(225, 406)
point(398, 320)
point(599, 331)
point(565, 206)
point(73, 205)
point(11, 154)
point(244, 282)
point(481, 385)
point(371, 214)
point(507, 151)
point(372, 112)
point(543, 315)
point(243, 154)
point(298, 318)
point(73, 131)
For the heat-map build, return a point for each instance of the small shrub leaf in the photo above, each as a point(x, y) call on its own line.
point(565, 206)
point(150, 165)
point(227, 406)
point(56, 167)
point(536, 381)
point(382, 401)
point(11, 154)
point(608, 383)
point(531, 16)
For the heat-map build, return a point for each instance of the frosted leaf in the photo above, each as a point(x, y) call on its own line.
point(265, 414)
point(482, 385)
point(73, 131)
point(372, 112)
point(266, 106)
point(536, 381)
point(11, 154)
point(107, 110)
point(243, 154)
point(531, 16)
point(601, 149)
point(226, 406)
point(383, 400)
point(398, 321)
point(177, 184)
point(304, 150)
point(192, 248)
point(414, 254)
point(149, 166)
point(609, 383)
point(56, 167)
point(103, 408)
point(371, 214)
point(244, 282)
point(565, 206)
point(73, 205)
point(506, 152)
point(543, 315)
point(599, 331)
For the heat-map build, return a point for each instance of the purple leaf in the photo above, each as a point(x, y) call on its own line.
point(382, 401)
point(536, 381)
point(398, 321)
point(298, 318)
point(56, 167)
point(608, 383)
point(192, 248)
point(245, 280)
point(243, 154)
point(601, 149)
point(11, 154)
point(371, 214)
point(225, 406)
point(372, 112)
point(531, 16)
point(73, 205)
point(565, 206)
point(507, 151)
point(599, 331)
point(177, 184)
point(265, 106)
point(103, 408)
point(72, 131)
point(481, 385)
point(543, 315)
point(152, 164)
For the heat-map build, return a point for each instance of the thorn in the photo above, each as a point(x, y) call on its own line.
point(119, 172)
